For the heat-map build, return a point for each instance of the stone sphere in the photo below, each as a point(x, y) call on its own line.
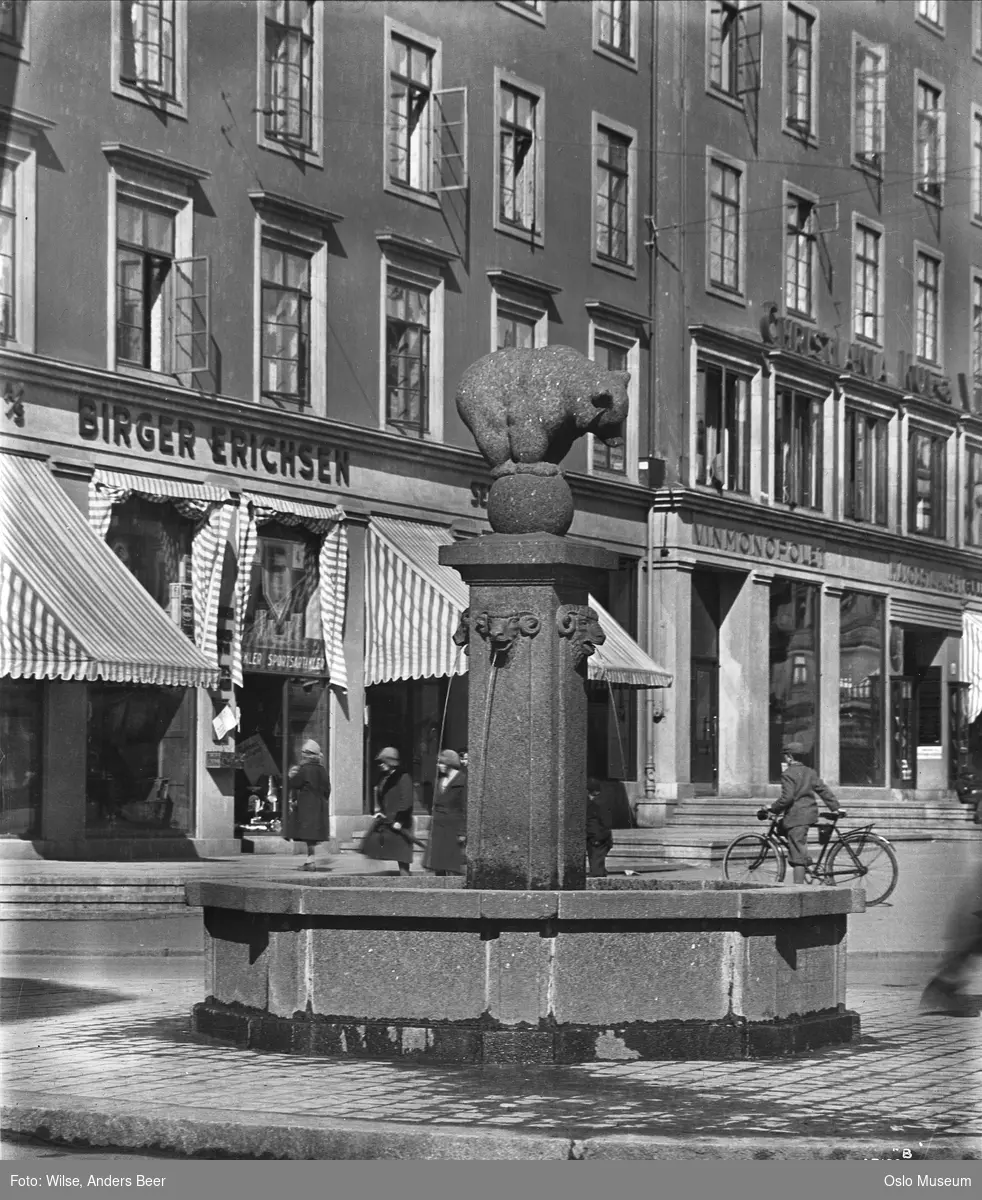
point(523, 503)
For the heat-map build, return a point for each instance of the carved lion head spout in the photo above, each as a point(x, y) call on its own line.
point(525, 409)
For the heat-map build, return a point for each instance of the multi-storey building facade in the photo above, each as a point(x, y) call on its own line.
point(247, 251)
point(815, 535)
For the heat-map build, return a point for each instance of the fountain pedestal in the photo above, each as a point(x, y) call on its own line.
point(529, 632)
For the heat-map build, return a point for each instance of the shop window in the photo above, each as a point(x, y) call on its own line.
point(867, 295)
point(793, 704)
point(723, 428)
point(154, 542)
point(21, 731)
point(519, 162)
point(799, 116)
point(869, 104)
point(798, 437)
point(866, 467)
point(861, 713)
point(285, 335)
point(724, 229)
point(291, 41)
point(973, 497)
point(140, 751)
point(927, 500)
point(929, 708)
point(799, 257)
point(929, 147)
point(927, 313)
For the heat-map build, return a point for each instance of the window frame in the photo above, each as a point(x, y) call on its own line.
point(975, 338)
point(926, 252)
point(927, 82)
point(314, 154)
point(293, 233)
point(418, 272)
point(942, 441)
point(860, 222)
point(795, 193)
point(173, 105)
point(18, 149)
point(728, 96)
point(868, 413)
point(629, 266)
point(977, 30)
point(936, 27)
point(726, 367)
point(20, 51)
point(427, 195)
point(973, 449)
point(525, 305)
point(818, 464)
point(809, 135)
point(975, 161)
point(535, 235)
point(733, 295)
point(859, 43)
point(606, 330)
point(605, 51)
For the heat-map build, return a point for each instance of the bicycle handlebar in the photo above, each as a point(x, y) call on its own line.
point(766, 814)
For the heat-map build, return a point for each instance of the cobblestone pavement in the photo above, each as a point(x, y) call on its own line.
point(109, 1030)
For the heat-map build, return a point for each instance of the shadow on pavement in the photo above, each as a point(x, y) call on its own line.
point(28, 999)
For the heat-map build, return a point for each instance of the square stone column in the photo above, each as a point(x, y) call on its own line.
point(528, 633)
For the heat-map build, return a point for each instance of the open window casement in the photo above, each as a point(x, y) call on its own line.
point(450, 132)
point(748, 34)
point(190, 308)
point(931, 136)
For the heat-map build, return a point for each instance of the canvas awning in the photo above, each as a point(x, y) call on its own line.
point(414, 604)
point(971, 664)
point(69, 609)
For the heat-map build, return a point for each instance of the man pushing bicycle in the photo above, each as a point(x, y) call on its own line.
point(798, 807)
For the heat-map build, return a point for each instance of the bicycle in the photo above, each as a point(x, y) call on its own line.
point(844, 857)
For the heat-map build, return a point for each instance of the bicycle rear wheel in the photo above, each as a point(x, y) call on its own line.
point(752, 858)
point(866, 857)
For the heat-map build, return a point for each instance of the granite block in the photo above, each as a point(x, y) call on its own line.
point(755, 987)
point(517, 1047)
point(288, 971)
point(241, 961)
point(398, 975)
point(518, 906)
point(455, 1044)
point(519, 966)
point(648, 906)
point(606, 978)
point(381, 903)
point(805, 967)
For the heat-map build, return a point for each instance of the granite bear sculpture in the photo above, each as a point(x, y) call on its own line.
point(529, 406)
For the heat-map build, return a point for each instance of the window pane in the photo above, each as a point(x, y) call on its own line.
point(861, 649)
point(793, 655)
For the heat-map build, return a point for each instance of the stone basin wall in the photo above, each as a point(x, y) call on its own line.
point(423, 968)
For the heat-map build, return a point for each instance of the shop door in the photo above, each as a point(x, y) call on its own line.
point(903, 739)
point(959, 755)
point(705, 723)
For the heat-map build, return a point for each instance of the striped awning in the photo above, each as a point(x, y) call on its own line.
point(971, 664)
point(69, 609)
point(413, 603)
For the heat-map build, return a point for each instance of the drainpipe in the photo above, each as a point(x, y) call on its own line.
point(649, 766)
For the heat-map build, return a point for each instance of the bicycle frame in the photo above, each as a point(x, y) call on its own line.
point(818, 869)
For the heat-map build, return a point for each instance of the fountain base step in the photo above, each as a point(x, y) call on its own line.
point(469, 1044)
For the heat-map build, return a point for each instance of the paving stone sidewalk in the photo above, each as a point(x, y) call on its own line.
point(101, 1050)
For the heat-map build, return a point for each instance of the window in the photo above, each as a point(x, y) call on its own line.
point(723, 428)
point(614, 194)
point(866, 283)
point(977, 28)
point(519, 310)
point(516, 330)
point(861, 650)
point(410, 91)
point(931, 12)
point(869, 104)
point(927, 314)
point(13, 28)
point(8, 252)
point(973, 497)
point(615, 347)
point(149, 53)
point(21, 726)
point(724, 29)
point(407, 356)
point(800, 256)
point(866, 467)
point(794, 677)
point(533, 10)
point(798, 430)
point(285, 277)
point(800, 30)
point(519, 166)
point(977, 341)
point(976, 163)
point(18, 203)
point(290, 77)
point(927, 499)
point(144, 260)
point(929, 152)
point(615, 28)
point(724, 227)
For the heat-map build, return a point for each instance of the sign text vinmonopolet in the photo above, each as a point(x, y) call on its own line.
point(227, 445)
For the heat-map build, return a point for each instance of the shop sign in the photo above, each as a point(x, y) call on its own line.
point(937, 581)
point(225, 445)
point(785, 333)
point(760, 546)
point(922, 381)
point(282, 629)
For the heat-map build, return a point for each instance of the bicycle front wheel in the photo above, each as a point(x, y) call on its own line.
point(752, 858)
point(869, 858)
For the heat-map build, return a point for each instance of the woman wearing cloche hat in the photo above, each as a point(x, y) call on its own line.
point(448, 829)
point(308, 817)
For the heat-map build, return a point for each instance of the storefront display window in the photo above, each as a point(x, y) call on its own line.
point(139, 762)
point(154, 541)
point(20, 757)
point(793, 704)
point(861, 650)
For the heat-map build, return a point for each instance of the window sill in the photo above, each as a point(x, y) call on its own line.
point(976, 220)
point(17, 53)
point(150, 376)
point(521, 11)
point(163, 104)
point(807, 138)
point(412, 435)
point(305, 157)
point(794, 314)
point(522, 235)
point(737, 298)
point(935, 201)
point(414, 195)
point(735, 102)
point(862, 340)
point(17, 347)
point(924, 23)
point(867, 169)
point(629, 270)
point(936, 539)
point(622, 60)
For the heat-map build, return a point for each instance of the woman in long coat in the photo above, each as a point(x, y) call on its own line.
point(307, 817)
point(391, 837)
point(448, 830)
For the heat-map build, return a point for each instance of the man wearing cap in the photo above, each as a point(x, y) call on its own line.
point(390, 838)
point(798, 807)
point(448, 830)
point(307, 818)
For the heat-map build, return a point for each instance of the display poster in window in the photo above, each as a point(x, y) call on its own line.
point(283, 633)
point(256, 759)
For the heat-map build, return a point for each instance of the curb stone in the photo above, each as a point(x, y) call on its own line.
point(214, 1133)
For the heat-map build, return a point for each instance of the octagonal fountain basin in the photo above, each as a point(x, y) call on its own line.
point(424, 968)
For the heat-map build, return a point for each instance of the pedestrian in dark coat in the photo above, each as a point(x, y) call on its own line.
point(448, 829)
point(798, 806)
point(599, 838)
point(391, 836)
point(307, 817)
